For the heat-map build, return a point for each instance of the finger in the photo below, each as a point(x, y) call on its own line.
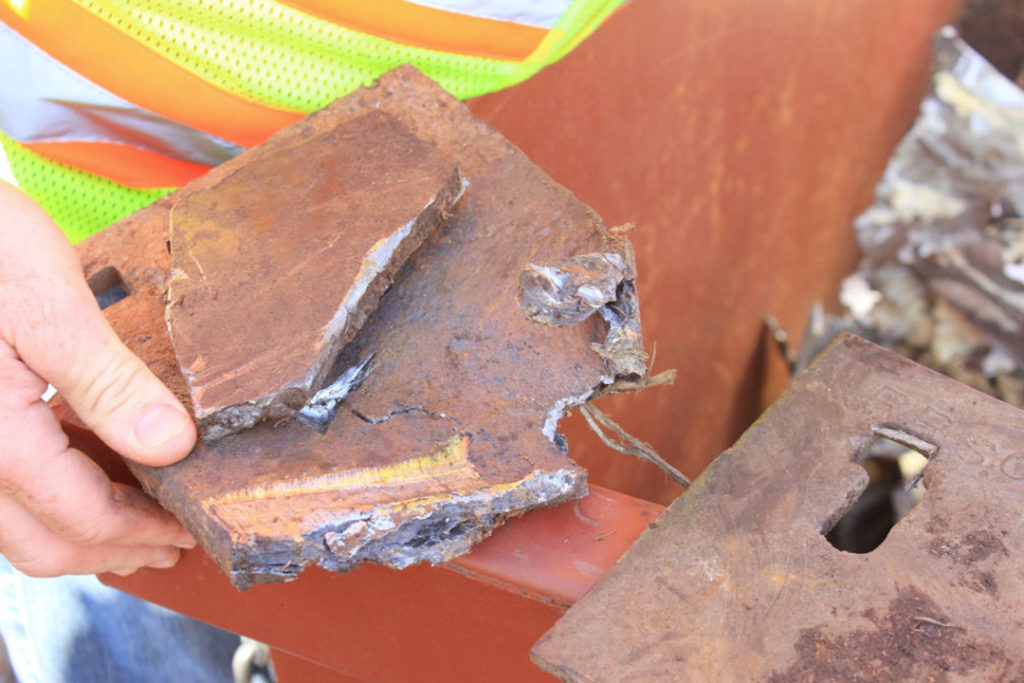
point(53, 323)
point(70, 493)
point(36, 551)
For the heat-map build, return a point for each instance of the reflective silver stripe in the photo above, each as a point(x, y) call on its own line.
point(6, 174)
point(539, 13)
point(41, 100)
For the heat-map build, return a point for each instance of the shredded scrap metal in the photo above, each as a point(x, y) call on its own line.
point(453, 425)
point(568, 293)
point(736, 581)
point(943, 276)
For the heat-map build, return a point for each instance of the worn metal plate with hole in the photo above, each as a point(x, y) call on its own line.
point(452, 431)
point(737, 582)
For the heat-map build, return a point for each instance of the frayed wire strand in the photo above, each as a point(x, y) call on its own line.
point(629, 445)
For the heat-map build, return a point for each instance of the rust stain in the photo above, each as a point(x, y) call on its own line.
point(910, 639)
point(742, 559)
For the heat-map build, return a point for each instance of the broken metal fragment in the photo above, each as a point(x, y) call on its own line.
point(736, 581)
point(568, 292)
point(453, 430)
point(322, 408)
point(276, 267)
point(623, 347)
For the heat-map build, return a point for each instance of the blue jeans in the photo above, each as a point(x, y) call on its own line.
point(73, 628)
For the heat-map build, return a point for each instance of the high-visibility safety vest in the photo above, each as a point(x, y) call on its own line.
point(107, 105)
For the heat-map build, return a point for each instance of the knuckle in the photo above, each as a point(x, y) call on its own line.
point(20, 385)
point(82, 531)
point(118, 517)
point(30, 438)
point(92, 524)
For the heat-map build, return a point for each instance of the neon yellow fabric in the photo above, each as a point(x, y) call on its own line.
point(81, 203)
point(275, 55)
point(579, 21)
point(280, 56)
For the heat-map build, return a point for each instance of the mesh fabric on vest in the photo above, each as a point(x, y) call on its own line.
point(81, 203)
point(275, 55)
point(278, 55)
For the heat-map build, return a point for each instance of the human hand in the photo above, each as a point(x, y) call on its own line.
point(59, 512)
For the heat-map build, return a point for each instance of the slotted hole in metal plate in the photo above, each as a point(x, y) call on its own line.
point(108, 286)
point(895, 486)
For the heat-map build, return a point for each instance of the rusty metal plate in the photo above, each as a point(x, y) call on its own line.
point(454, 428)
point(713, 124)
point(737, 580)
point(276, 267)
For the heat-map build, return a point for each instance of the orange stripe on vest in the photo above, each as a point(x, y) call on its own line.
point(121, 163)
point(132, 71)
point(429, 28)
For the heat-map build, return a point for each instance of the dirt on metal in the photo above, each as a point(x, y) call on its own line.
point(905, 643)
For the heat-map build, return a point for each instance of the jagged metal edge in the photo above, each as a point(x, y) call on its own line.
point(441, 531)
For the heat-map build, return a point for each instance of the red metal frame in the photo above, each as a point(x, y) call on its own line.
point(474, 619)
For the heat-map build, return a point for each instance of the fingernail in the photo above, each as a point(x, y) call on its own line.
point(123, 572)
point(164, 564)
point(186, 545)
point(160, 424)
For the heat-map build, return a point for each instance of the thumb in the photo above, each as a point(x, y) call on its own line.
point(117, 396)
point(53, 322)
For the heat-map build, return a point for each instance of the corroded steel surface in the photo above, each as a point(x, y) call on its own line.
point(737, 581)
point(742, 138)
point(276, 267)
point(445, 437)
